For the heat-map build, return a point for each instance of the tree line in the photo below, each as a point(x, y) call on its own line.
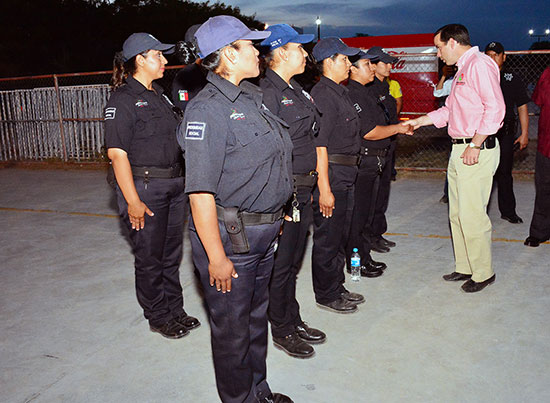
point(62, 36)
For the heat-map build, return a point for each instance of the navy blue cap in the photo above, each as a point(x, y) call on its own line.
point(190, 33)
point(495, 47)
point(382, 56)
point(364, 55)
point(220, 31)
point(281, 34)
point(330, 46)
point(140, 42)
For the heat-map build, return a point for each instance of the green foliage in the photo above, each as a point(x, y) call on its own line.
point(58, 36)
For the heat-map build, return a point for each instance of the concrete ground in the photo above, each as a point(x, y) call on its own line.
point(72, 331)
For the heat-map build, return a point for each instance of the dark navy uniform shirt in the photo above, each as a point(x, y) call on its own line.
point(339, 131)
point(187, 84)
point(235, 148)
point(514, 92)
point(380, 90)
point(370, 113)
point(296, 108)
point(142, 123)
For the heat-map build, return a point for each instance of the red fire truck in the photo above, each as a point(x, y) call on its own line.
point(416, 70)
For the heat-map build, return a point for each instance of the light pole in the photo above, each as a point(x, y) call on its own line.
point(546, 33)
point(318, 22)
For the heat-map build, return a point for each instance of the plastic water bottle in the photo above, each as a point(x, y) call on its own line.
point(355, 266)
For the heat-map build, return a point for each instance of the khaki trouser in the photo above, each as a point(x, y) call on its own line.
point(469, 191)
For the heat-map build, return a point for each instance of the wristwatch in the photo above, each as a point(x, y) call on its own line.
point(472, 145)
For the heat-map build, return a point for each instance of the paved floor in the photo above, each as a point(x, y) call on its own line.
point(72, 331)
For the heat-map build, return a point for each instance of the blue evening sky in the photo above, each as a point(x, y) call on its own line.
point(504, 21)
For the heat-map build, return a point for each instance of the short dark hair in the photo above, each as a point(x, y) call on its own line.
point(456, 31)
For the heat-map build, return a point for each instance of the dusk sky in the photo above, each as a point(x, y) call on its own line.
point(504, 21)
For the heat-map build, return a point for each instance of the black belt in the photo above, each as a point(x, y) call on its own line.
point(253, 218)
point(374, 152)
point(344, 159)
point(307, 180)
point(487, 144)
point(155, 172)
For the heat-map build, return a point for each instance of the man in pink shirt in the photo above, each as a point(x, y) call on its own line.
point(473, 112)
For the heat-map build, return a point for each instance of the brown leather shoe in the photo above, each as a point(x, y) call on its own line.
point(472, 286)
point(454, 276)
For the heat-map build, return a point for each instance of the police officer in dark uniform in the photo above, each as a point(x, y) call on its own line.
point(190, 80)
point(515, 96)
point(375, 147)
point(380, 90)
point(238, 159)
point(337, 145)
point(140, 136)
point(285, 98)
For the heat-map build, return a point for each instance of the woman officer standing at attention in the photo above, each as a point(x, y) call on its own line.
point(238, 177)
point(338, 146)
point(140, 136)
point(286, 99)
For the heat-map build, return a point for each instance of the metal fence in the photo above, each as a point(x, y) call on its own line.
point(60, 117)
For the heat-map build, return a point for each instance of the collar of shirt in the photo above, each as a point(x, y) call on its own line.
point(340, 89)
point(231, 91)
point(355, 84)
point(466, 56)
point(276, 80)
point(139, 88)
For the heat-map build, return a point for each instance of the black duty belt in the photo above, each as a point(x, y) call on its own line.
point(490, 142)
point(253, 218)
point(374, 152)
point(344, 159)
point(307, 180)
point(157, 172)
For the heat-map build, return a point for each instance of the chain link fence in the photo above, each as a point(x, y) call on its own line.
point(60, 117)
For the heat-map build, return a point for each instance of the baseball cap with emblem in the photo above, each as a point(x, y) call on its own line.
point(379, 54)
point(495, 47)
point(140, 42)
point(220, 31)
point(330, 46)
point(281, 34)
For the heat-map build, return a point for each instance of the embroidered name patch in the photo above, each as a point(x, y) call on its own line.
point(286, 102)
point(357, 107)
point(110, 113)
point(195, 130)
point(236, 115)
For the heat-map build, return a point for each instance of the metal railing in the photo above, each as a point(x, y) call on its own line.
point(61, 116)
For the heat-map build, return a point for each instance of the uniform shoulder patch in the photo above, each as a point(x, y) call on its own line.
point(110, 113)
point(195, 130)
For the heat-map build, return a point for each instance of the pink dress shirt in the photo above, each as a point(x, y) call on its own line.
point(475, 104)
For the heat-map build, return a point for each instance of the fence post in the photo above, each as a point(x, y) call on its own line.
point(60, 114)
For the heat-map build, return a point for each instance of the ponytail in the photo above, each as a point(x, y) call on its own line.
point(122, 69)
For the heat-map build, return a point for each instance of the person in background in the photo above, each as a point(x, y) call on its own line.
point(395, 91)
point(379, 89)
point(192, 78)
point(140, 136)
point(238, 171)
point(442, 91)
point(515, 96)
point(337, 146)
point(473, 113)
point(284, 97)
point(540, 223)
point(374, 147)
